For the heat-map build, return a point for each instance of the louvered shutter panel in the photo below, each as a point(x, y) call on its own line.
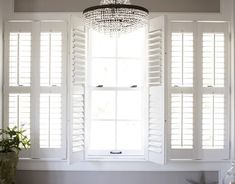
point(156, 52)
point(51, 92)
point(17, 77)
point(214, 132)
point(181, 93)
point(78, 57)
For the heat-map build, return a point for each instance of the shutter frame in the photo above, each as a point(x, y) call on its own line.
point(77, 90)
point(157, 91)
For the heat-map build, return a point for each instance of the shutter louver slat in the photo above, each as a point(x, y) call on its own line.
point(182, 60)
point(50, 121)
point(19, 112)
point(213, 59)
point(213, 121)
point(51, 58)
point(19, 58)
point(181, 121)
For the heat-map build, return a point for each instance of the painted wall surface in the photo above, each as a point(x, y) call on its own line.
point(1, 59)
point(49, 177)
point(152, 5)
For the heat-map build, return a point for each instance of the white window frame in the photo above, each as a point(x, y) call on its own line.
point(126, 154)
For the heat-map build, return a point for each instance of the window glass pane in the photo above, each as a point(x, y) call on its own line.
point(132, 44)
point(129, 73)
point(102, 45)
point(103, 72)
point(103, 105)
point(129, 135)
point(102, 135)
point(129, 105)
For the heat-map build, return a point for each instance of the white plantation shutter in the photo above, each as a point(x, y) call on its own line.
point(199, 91)
point(214, 134)
point(35, 85)
point(77, 94)
point(181, 96)
point(156, 49)
point(17, 77)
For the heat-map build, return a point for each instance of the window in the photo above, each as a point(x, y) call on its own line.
point(35, 85)
point(115, 89)
point(125, 98)
point(117, 97)
point(198, 91)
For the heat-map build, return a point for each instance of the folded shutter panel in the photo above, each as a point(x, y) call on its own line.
point(156, 52)
point(77, 95)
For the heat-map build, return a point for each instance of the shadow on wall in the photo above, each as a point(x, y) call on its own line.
point(60, 177)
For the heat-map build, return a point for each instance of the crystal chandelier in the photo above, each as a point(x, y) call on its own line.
point(115, 16)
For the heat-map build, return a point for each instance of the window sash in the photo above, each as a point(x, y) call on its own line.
point(91, 154)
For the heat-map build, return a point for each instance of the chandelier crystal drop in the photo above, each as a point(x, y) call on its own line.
point(115, 17)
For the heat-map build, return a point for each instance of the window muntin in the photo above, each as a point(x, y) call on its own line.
point(115, 78)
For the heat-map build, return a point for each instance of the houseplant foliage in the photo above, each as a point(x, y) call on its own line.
point(12, 141)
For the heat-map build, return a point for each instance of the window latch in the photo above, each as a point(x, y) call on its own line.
point(134, 86)
point(100, 86)
point(115, 152)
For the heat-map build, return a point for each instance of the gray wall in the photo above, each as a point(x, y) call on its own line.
point(46, 177)
point(1, 60)
point(152, 5)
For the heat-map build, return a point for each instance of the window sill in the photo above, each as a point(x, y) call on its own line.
point(65, 165)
